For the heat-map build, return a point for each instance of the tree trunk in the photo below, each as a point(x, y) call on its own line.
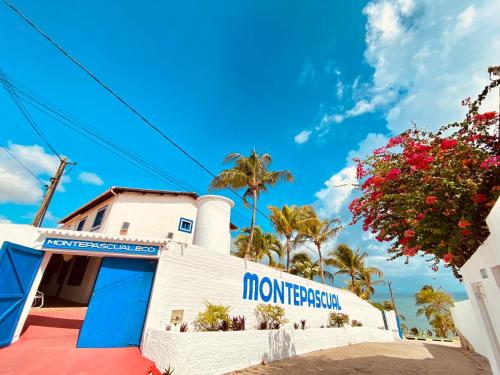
point(287, 253)
point(321, 265)
point(352, 279)
point(252, 226)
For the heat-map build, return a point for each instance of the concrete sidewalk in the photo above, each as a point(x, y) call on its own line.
point(381, 358)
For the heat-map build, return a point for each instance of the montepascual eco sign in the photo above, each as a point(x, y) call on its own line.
point(285, 292)
point(108, 247)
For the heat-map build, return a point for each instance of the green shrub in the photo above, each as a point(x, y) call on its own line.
point(213, 318)
point(338, 319)
point(270, 316)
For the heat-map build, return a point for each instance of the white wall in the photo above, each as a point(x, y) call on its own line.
point(194, 353)
point(89, 217)
point(483, 288)
point(464, 318)
point(187, 276)
point(153, 215)
point(212, 223)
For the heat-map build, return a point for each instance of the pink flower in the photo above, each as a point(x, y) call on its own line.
point(431, 199)
point(447, 144)
point(393, 174)
point(462, 223)
point(404, 241)
point(447, 258)
point(492, 161)
point(420, 216)
point(359, 171)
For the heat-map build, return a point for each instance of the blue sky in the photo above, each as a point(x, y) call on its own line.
point(311, 83)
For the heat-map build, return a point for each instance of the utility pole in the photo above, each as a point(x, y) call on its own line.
point(392, 297)
point(54, 181)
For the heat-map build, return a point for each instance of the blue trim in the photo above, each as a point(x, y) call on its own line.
point(183, 219)
point(98, 246)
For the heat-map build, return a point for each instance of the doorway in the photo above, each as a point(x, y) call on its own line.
point(119, 302)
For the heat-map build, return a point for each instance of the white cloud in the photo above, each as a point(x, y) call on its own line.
point(436, 53)
point(427, 57)
point(338, 189)
point(307, 73)
point(302, 137)
point(332, 199)
point(19, 186)
point(90, 178)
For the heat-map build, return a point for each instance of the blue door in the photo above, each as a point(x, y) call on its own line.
point(18, 268)
point(118, 305)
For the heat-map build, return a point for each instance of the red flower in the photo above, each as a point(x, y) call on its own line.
point(410, 251)
point(404, 241)
point(462, 223)
point(409, 233)
point(447, 144)
point(431, 199)
point(447, 258)
point(484, 117)
point(420, 216)
point(393, 174)
point(479, 198)
point(466, 232)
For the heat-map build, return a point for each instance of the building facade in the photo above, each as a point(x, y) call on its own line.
point(478, 318)
point(146, 261)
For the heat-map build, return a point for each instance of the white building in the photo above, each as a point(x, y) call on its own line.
point(145, 261)
point(478, 318)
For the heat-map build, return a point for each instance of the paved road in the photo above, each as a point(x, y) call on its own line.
point(380, 358)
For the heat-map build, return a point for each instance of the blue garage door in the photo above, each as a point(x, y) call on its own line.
point(117, 308)
point(18, 268)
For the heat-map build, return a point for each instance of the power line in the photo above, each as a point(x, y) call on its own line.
point(93, 134)
point(24, 166)
point(22, 109)
point(126, 104)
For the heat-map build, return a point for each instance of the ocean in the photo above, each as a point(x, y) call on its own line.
point(405, 303)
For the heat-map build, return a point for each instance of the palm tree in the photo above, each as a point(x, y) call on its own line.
point(250, 173)
point(303, 265)
point(317, 231)
point(363, 286)
point(351, 263)
point(287, 221)
point(435, 305)
point(264, 244)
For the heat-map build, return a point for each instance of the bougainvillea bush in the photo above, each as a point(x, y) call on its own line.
point(428, 193)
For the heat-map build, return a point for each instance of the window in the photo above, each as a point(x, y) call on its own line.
point(78, 271)
point(124, 228)
point(185, 225)
point(98, 218)
point(81, 224)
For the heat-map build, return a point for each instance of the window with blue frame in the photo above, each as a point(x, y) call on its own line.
point(81, 224)
point(186, 225)
point(98, 218)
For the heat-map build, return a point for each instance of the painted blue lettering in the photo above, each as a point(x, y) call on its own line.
point(250, 286)
point(295, 295)
point(310, 297)
point(329, 300)
point(323, 303)
point(277, 292)
point(289, 287)
point(318, 298)
point(303, 294)
point(263, 296)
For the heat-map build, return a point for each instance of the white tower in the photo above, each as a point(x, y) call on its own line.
point(212, 223)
